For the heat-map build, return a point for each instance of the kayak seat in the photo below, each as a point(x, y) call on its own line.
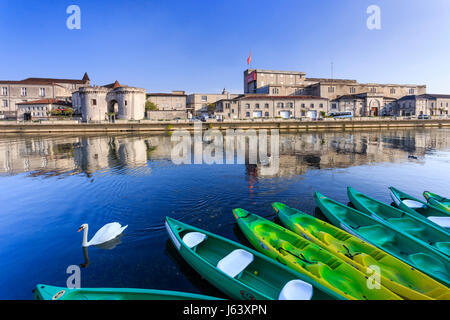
point(193, 239)
point(408, 225)
point(330, 241)
point(444, 222)
point(444, 247)
point(430, 263)
point(414, 204)
point(377, 234)
point(296, 290)
point(235, 263)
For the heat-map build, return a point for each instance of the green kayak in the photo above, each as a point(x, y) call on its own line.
point(314, 262)
point(399, 244)
point(240, 272)
point(44, 292)
point(420, 208)
point(437, 201)
point(396, 275)
point(421, 229)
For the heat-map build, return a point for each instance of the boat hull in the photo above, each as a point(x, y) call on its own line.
point(44, 292)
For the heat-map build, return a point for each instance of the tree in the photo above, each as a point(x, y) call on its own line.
point(150, 106)
point(211, 107)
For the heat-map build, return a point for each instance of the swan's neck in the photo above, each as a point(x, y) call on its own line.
point(85, 237)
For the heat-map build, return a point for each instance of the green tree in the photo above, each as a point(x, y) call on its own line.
point(150, 106)
point(211, 107)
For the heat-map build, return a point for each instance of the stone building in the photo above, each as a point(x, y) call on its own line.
point(40, 109)
point(376, 98)
point(175, 101)
point(110, 102)
point(256, 106)
point(197, 103)
point(171, 106)
point(364, 104)
point(14, 92)
point(425, 104)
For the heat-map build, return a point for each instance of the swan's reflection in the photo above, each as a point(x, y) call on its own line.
point(110, 245)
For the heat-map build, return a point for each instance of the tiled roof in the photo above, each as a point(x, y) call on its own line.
point(165, 95)
point(44, 81)
point(46, 101)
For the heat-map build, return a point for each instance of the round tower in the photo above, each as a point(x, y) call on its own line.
point(93, 103)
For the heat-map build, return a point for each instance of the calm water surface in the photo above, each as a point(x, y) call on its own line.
point(50, 185)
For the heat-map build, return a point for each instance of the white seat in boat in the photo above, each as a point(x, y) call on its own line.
point(413, 204)
point(235, 263)
point(444, 222)
point(193, 239)
point(296, 290)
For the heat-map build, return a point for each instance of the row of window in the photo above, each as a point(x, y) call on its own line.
point(36, 108)
point(23, 91)
point(372, 90)
point(280, 105)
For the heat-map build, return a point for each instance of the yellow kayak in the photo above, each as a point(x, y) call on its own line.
point(396, 275)
point(310, 259)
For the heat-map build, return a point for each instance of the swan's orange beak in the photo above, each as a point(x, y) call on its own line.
point(81, 228)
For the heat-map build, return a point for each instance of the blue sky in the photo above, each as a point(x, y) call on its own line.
point(202, 46)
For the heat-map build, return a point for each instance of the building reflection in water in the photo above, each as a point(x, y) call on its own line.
point(299, 152)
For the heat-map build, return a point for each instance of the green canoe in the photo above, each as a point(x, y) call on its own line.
point(437, 201)
point(44, 292)
point(421, 229)
point(240, 272)
point(396, 275)
point(420, 208)
point(382, 235)
point(303, 256)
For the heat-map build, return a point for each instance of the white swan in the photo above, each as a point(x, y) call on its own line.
point(107, 233)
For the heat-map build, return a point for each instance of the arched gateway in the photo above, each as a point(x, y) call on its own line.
point(111, 102)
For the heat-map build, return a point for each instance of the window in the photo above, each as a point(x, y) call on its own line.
point(266, 106)
point(126, 102)
point(227, 105)
point(373, 90)
point(392, 91)
point(247, 106)
point(266, 114)
point(24, 92)
point(321, 106)
point(74, 86)
point(312, 105)
point(303, 113)
point(291, 105)
point(42, 92)
point(204, 98)
point(5, 91)
point(330, 89)
point(94, 102)
point(275, 91)
point(352, 90)
point(257, 106)
point(411, 91)
point(247, 114)
point(303, 105)
point(281, 105)
point(5, 103)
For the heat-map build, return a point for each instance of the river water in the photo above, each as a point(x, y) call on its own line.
point(50, 185)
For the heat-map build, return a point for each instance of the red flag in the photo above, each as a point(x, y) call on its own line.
point(249, 58)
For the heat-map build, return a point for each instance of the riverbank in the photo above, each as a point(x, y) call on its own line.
point(160, 126)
